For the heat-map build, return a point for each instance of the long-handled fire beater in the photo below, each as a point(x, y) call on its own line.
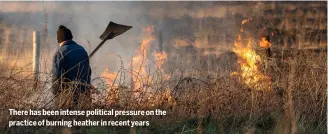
point(111, 31)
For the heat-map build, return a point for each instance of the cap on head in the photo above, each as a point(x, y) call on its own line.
point(63, 34)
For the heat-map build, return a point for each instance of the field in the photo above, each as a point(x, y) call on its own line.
point(252, 72)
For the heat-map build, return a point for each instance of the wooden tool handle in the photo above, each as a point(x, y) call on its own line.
point(96, 49)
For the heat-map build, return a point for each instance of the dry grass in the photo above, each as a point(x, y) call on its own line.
point(198, 97)
point(201, 96)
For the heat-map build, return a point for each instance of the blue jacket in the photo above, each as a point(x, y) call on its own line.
point(70, 63)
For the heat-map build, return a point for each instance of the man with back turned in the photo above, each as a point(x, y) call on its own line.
point(71, 72)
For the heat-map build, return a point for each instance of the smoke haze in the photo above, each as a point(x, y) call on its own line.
point(202, 25)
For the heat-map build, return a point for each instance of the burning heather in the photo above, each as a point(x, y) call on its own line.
point(110, 77)
point(143, 84)
point(140, 61)
point(249, 62)
point(264, 43)
point(214, 67)
point(112, 90)
point(142, 80)
point(160, 58)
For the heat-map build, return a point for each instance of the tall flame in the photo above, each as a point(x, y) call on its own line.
point(139, 62)
point(140, 76)
point(248, 61)
point(139, 65)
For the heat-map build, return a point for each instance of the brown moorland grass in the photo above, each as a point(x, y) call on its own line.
point(198, 98)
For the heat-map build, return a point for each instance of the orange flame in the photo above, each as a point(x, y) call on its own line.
point(245, 21)
point(160, 57)
point(264, 43)
point(140, 76)
point(109, 76)
point(113, 90)
point(248, 61)
point(140, 60)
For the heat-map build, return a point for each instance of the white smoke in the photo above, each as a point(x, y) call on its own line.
point(87, 21)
